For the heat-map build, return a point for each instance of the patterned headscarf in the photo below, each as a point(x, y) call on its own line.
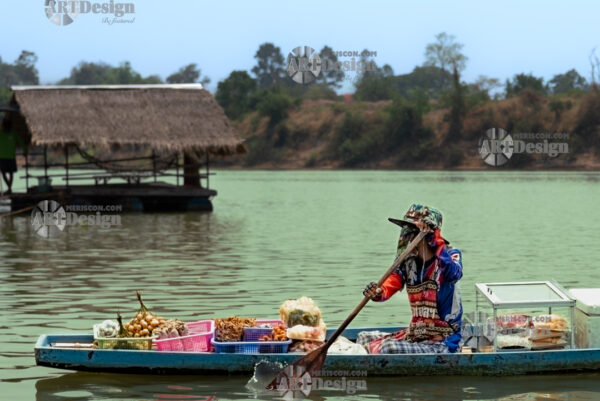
point(407, 234)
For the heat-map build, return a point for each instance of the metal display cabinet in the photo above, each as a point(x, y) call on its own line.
point(525, 295)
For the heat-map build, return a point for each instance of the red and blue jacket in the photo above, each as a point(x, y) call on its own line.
point(449, 303)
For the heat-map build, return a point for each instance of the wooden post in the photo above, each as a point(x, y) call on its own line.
point(26, 172)
point(154, 165)
point(67, 165)
point(207, 172)
point(46, 162)
point(177, 168)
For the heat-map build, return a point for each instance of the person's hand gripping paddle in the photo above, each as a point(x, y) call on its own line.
point(313, 361)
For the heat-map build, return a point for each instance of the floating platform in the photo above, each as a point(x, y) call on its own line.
point(145, 197)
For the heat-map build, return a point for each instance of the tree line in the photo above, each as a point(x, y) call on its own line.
point(266, 91)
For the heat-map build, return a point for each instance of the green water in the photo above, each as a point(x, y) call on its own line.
point(283, 234)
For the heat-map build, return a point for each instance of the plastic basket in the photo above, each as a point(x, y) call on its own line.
point(201, 326)
point(251, 347)
point(255, 333)
point(137, 343)
point(198, 339)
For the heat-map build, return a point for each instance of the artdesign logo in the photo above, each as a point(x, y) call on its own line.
point(304, 64)
point(295, 383)
point(49, 218)
point(497, 146)
point(64, 12)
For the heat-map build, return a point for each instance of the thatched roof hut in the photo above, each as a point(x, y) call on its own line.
point(172, 118)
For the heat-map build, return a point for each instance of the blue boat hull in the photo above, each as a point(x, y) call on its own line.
point(153, 362)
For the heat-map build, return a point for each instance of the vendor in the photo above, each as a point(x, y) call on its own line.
point(430, 275)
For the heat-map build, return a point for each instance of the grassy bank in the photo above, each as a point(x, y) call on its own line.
point(407, 135)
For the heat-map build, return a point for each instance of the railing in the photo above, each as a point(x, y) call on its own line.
point(132, 177)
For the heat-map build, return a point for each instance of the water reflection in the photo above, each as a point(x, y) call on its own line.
point(88, 386)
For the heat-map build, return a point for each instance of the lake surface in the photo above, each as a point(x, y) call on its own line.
point(282, 234)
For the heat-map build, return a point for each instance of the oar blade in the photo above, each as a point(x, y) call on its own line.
point(311, 363)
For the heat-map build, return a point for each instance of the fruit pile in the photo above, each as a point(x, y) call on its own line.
point(144, 322)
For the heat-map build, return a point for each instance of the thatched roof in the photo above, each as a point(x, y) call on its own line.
point(182, 117)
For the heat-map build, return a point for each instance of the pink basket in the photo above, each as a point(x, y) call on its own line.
point(198, 339)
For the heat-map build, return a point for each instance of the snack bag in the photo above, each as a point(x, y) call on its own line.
point(302, 311)
point(302, 332)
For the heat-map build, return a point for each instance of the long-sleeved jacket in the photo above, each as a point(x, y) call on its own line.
point(449, 305)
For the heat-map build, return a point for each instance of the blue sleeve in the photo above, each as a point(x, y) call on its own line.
point(451, 264)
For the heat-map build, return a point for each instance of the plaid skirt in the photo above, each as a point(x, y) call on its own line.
point(388, 343)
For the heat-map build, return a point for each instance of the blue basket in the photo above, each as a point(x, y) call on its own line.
point(255, 333)
point(251, 347)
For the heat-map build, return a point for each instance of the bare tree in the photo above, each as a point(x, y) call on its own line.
point(445, 53)
point(595, 64)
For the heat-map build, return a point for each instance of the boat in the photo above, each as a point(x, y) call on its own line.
point(499, 363)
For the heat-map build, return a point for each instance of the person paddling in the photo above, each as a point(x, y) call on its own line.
point(430, 277)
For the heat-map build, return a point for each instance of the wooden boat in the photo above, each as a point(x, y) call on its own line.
point(154, 362)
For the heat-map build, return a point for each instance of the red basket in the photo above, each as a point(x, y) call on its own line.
point(198, 339)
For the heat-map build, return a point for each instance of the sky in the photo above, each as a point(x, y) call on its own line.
point(500, 38)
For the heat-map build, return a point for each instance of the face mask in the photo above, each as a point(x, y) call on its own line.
point(407, 234)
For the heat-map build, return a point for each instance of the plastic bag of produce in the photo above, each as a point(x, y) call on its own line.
point(513, 341)
point(302, 332)
point(305, 346)
point(107, 329)
point(346, 347)
point(302, 311)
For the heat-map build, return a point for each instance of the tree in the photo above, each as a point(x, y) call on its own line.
point(269, 69)
point(331, 74)
point(457, 107)
point(484, 84)
point(21, 72)
point(445, 53)
point(523, 81)
point(25, 68)
point(89, 73)
point(234, 93)
point(428, 80)
point(570, 80)
point(273, 103)
point(188, 74)
point(374, 83)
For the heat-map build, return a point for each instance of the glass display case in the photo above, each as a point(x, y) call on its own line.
point(531, 295)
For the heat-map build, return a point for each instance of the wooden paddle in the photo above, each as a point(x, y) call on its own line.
point(313, 361)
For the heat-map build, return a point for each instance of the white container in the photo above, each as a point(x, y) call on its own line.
point(587, 317)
